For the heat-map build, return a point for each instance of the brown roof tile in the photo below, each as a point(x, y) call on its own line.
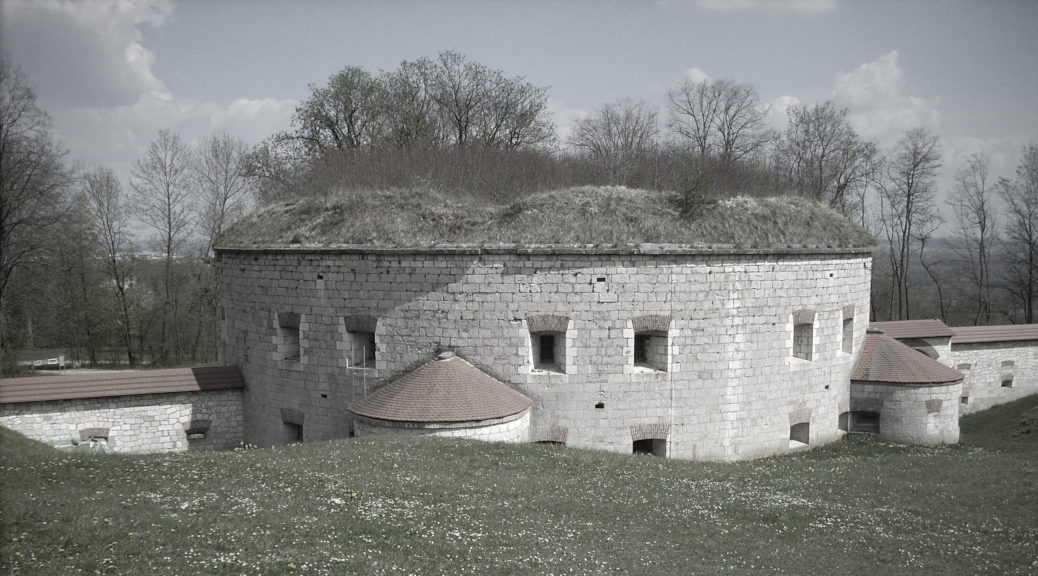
point(448, 390)
point(1007, 333)
point(123, 383)
point(913, 328)
point(884, 360)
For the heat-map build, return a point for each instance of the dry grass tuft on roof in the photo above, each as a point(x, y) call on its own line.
point(575, 216)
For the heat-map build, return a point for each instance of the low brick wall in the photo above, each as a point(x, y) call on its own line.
point(135, 424)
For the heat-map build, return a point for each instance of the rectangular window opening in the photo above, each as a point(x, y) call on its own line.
point(549, 351)
point(362, 349)
point(288, 331)
point(651, 350)
point(803, 341)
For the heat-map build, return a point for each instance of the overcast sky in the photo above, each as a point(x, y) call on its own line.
point(113, 73)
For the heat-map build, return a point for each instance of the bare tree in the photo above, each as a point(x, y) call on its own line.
point(907, 193)
point(483, 106)
point(824, 157)
point(615, 136)
point(161, 182)
point(1021, 234)
point(224, 191)
point(924, 232)
point(33, 181)
point(972, 203)
point(342, 115)
point(106, 204)
point(718, 118)
point(410, 114)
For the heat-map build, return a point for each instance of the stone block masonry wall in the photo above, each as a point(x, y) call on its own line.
point(144, 423)
point(513, 429)
point(913, 414)
point(727, 391)
point(996, 372)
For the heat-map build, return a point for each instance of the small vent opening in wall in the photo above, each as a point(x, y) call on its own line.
point(800, 433)
point(599, 405)
point(650, 447)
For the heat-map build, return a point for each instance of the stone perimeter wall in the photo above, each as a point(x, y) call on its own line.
point(731, 388)
point(988, 366)
point(136, 424)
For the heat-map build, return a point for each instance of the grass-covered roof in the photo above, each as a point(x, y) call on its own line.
point(576, 216)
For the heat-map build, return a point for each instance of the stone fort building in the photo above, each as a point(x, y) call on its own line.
point(651, 342)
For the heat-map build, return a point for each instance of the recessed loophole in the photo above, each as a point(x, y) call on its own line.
point(600, 279)
point(600, 405)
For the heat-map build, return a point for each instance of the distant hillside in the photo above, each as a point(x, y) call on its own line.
point(588, 215)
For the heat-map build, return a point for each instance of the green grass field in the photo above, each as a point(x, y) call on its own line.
point(429, 506)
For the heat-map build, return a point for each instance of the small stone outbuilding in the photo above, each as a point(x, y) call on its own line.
point(445, 397)
point(903, 394)
point(131, 411)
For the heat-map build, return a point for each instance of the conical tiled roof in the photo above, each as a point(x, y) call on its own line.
point(884, 360)
point(443, 390)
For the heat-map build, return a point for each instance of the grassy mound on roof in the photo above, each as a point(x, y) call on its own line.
point(587, 215)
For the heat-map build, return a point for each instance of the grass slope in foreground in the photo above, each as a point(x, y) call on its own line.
point(428, 506)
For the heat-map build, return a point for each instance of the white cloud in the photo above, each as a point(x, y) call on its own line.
point(253, 120)
point(84, 53)
point(697, 75)
point(1003, 154)
point(94, 76)
point(776, 117)
point(565, 117)
point(796, 6)
point(880, 105)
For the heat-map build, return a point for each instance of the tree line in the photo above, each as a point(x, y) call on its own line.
point(75, 273)
point(105, 272)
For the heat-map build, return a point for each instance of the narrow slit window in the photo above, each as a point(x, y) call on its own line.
point(847, 340)
point(803, 340)
point(546, 349)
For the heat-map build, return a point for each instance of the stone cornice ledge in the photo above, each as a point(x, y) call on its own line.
point(560, 249)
